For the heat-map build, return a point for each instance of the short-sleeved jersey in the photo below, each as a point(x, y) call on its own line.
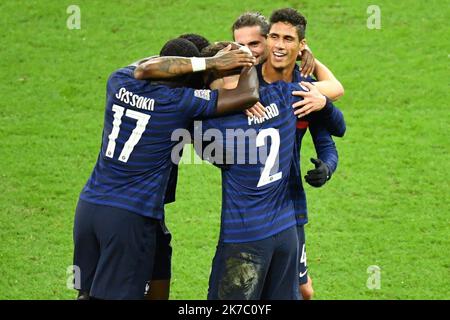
point(134, 163)
point(259, 154)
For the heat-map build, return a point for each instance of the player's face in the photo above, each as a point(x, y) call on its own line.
point(283, 45)
point(251, 38)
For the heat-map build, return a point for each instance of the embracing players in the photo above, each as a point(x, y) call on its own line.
point(121, 206)
point(284, 49)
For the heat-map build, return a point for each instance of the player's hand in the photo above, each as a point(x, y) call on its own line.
point(257, 110)
point(318, 176)
point(312, 101)
point(228, 59)
point(308, 62)
point(233, 46)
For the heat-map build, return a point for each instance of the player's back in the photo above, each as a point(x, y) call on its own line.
point(134, 162)
point(255, 202)
point(322, 139)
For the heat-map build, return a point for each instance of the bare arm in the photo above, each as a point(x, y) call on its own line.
point(170, 67)
point(136, 63)
point(244, 96)
point(328, 85)
point(163, 68)
point(314, 99)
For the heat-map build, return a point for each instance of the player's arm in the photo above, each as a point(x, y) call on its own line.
point(332, 119)
point(329, 115)
point(136, 63)
point(327, 155)
point(202, 104)
point(328, 87)
point(327, 83)
point(170, 67)
point(244, 96)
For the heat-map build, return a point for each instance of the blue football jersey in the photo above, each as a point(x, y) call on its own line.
point(321, 125)
point(258, 154)
point(134, 163)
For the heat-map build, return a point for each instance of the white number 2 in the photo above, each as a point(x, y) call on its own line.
point(141, 123)
point(266, 178)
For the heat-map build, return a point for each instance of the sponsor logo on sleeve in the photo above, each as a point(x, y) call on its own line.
point(203, 94)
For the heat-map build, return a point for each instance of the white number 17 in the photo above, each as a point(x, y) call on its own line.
point(142, 120)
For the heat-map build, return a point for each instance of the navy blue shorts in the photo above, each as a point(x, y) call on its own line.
point(162, 266)
point(302, 267)
point(114, 251)
point(265, 269)
point(163, 254)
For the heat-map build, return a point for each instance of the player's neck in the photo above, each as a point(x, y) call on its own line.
point(225, 83)
point(271, 74)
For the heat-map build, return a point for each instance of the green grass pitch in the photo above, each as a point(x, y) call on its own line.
point(387, 204)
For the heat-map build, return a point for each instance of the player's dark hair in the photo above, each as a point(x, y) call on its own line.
point(211, 51)
point(183, 48)
point(251, 19)
point(199, 41)
point(179, 47)
point(291, 16)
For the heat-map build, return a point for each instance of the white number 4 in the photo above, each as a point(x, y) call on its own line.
point(142, 120)
point(266, 178)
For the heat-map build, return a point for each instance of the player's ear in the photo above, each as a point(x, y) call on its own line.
point(302, 44)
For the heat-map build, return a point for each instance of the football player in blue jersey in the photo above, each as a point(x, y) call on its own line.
point(158, 287)
point(252, 29)
point(120, 208)
point(257, 254)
